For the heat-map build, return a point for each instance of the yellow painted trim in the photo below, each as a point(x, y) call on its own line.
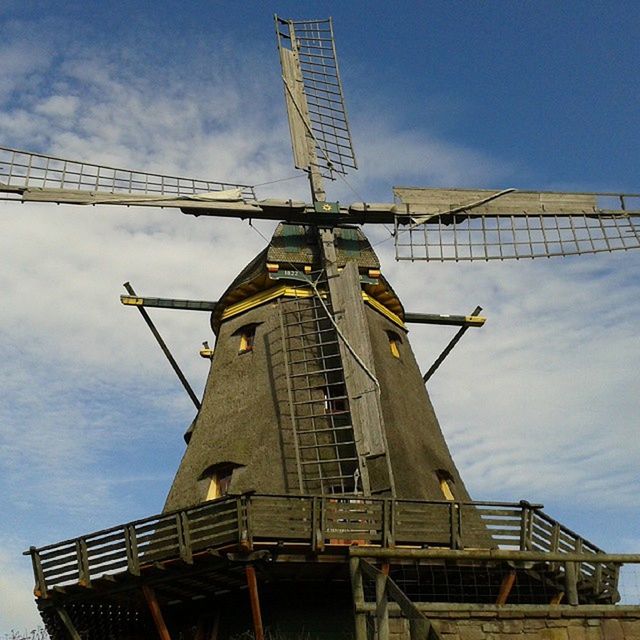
point(263, 297)
point(138, 302)
point(382, 309)
point(295, 292)
point(476, 321)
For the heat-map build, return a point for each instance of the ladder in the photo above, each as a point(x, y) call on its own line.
point(322, 437)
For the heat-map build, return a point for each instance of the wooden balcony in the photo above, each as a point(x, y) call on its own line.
point(314, 529)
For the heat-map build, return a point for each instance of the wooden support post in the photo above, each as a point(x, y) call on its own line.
point(68, 624)
point(357, 590)
point(82, 555)
point(505, 588)
point(40, 590)
point(526, 517)
point(156, 613)
point(557, 599)
point(131, 548)
point(382, 607)
point(252, 582)
point(571, 583)
point(184, 539)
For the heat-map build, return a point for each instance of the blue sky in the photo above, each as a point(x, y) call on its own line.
point(542, 403)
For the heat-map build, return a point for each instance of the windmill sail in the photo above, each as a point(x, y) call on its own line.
point(318, 123)
point(33, 176)
point(465, 224)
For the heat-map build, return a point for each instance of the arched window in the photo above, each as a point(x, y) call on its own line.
point(216, 480)
point(446, 484)
point(394, 343)
point(247, 336)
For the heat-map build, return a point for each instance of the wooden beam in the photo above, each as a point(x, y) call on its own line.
point(571, 583)
point(357, 589)
point(68, 624)
point(493, 554)
point(256, 613)
point(156, 613)
point(505, 588)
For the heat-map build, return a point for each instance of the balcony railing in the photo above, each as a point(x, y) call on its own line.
point(316, 524)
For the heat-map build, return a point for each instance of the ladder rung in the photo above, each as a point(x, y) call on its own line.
point(320, 386)
point(314, 306)
point(332, 445)
point(317, 332)
point(315, 431)
point(315, 373)
point(327, 357)
point(332, 461)
point(323, 400)
point(313, 346)
point(334, 414)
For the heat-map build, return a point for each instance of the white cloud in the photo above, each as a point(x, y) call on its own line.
point(58, 106)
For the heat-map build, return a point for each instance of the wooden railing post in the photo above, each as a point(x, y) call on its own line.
point(131, 547)
point(454, 525)
point(357, 589)
point(571, 583)
point(184, 539)
point(40, 590)
point(578, 547)
point(84, 576)
point(245, 537)
point(525, 525)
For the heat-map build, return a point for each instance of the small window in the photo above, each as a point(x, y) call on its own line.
point(446, 484)
point(218, 480)
point(394, 343)
point(247, 336)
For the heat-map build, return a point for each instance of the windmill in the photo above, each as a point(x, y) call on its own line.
point(315, 413)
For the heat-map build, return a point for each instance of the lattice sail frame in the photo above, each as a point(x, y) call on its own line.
point(467, 225)
point(315, 101)
point(23, 170)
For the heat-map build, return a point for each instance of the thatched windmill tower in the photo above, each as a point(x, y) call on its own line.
point(316, 448)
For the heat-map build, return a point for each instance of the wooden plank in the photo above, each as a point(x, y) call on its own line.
point(533, 202)
point(507, 513)
point(294, 96)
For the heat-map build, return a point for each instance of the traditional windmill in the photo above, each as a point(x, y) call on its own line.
point(316, 432)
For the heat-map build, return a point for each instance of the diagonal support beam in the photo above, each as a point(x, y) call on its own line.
point(156, 612)
point(447, 350)
point(420, 627)
point(68, 624)
point(165, 350)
